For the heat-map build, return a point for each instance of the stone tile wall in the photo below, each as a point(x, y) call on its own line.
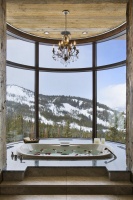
point(2, 84)
point(129, 142)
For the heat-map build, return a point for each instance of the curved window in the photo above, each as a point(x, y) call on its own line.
point(20, 51)
point(84, 60)
point(55, 101)
point(111, 51)
point(20, 116)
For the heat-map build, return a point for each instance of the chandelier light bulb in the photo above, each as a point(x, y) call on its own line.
point(67, 39)
point(74, 43)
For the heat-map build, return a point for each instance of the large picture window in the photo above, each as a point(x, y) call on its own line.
point(47, 99)
point(111, 106)
point(20, 116)
point(65, 105)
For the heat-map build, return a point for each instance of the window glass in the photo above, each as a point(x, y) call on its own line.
point(111, 51)
point(20, 51)
point(46, 60)
point(20, 120)
point(65, 105)
point(111, 106)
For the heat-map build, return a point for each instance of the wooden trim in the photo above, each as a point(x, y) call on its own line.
point(70, 1)
point(27, 37)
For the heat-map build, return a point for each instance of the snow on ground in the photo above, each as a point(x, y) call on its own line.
point(20, 95)
point(44, 120)
point(76, 126)
point(80, 102)
point(71, 109)
point(75, 100)
point(29, 119)
point(100, 109)
point(99, 121)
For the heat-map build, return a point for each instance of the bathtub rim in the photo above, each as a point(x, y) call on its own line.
point(108, 155)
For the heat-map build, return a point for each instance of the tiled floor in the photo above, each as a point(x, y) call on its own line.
point(68, 180)
point(66, 197)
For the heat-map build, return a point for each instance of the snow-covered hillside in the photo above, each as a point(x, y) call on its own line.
point(59, 109)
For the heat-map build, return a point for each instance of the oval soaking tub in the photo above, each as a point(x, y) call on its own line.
point(85, 151)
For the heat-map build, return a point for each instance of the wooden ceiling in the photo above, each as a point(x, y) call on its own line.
point(93, 16)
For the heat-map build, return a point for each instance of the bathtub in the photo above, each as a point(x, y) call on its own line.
point(65, 151)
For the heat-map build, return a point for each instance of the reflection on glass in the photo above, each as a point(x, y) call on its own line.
point(111, 106)
point(65, 105)
point(111, 51)
point(20, 51)
point(84, 60)
point(20, 121)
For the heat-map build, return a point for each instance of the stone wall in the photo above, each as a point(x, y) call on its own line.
point(2, 84)
point(129, 142)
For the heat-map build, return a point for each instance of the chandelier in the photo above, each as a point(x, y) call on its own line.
point(66, 52)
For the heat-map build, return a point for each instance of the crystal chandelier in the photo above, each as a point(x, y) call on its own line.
point(66, 52)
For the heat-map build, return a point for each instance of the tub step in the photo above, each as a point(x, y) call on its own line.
point(66, 171)
point(66, 185)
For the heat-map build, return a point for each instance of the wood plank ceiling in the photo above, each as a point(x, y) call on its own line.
point(39, 16)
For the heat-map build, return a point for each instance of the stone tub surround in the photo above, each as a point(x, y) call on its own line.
point(66, 181)
point(66, 177)
point(13, 175)
point(119, 175)
point(65, 171)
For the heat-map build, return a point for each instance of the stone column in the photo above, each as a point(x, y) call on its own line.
point(2, 84)
point(129, 97)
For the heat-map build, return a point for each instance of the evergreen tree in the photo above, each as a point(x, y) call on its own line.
point(67, 131)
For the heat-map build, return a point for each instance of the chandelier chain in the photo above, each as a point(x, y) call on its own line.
point(65, 21)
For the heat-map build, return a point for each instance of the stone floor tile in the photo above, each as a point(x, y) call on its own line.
point(66, 197)
point(91, 197)
point(59, 180)
point(77, 180)
point(32, 197)
point(53, 180)
point(125, 197)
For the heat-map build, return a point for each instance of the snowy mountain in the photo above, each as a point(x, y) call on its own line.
point(60, 109)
